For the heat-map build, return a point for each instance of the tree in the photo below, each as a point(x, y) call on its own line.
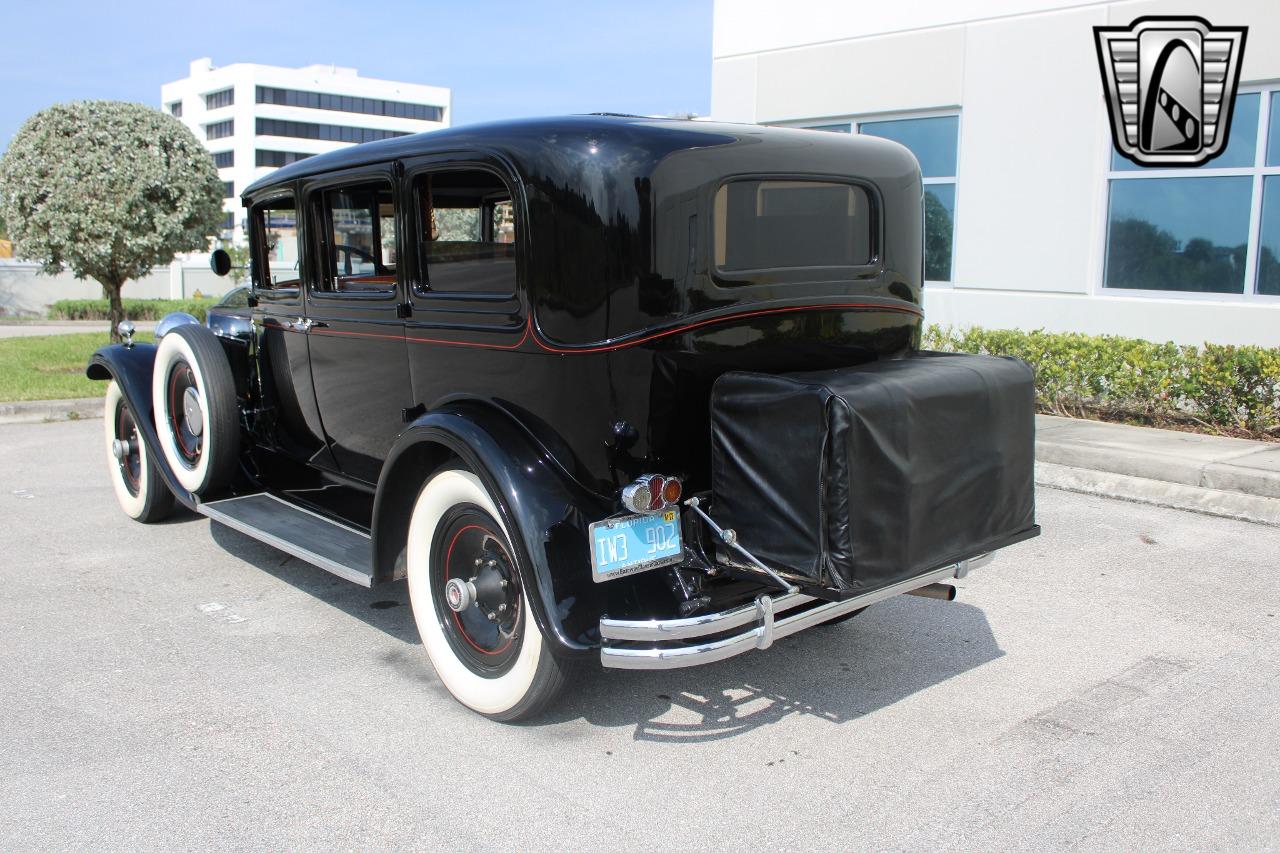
point(109, 190)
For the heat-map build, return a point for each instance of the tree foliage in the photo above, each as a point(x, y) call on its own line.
point(108, 190)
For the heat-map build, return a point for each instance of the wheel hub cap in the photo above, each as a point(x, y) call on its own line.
point(192, 414)
point(459, 594)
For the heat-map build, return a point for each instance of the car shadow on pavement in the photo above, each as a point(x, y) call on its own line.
point(385, 607)
point(836, 673)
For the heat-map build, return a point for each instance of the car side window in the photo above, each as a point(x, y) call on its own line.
point(275, 259)
point(358, 233)
point(466, 233)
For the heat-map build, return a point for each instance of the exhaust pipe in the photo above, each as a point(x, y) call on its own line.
point(941, 591)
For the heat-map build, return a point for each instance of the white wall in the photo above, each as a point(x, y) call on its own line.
point(1034, 144)
point(25, 291)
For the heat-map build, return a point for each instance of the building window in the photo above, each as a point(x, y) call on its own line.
point(228, 221)
point(326, 132)
point(215, 100)
point(224, 159)
point(228, 189)
point(175, 109)
point(220, 130)
point(936, 143)
point(830, 128)
point(276, 159)
point(1210, 229)
point(349, 104)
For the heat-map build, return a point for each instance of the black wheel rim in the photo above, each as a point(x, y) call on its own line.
point(487, 635)
point(189, 443)
point(130, 461)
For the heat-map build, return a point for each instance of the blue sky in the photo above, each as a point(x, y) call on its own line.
point(502, 59)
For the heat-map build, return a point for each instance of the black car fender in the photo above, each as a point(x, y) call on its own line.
point(546, 512)
point(131, 367)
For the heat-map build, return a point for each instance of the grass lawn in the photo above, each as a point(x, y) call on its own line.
point(51, 367)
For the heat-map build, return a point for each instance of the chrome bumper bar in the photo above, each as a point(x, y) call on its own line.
point(663, 643)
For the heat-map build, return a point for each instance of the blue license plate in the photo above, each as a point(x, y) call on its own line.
point(635, 543)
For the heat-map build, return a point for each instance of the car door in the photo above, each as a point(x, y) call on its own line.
point(355, 300)
point(284, 367)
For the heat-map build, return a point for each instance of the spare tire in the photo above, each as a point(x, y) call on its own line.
point(194, 397)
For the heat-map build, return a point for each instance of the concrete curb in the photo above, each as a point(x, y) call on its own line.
point(1108, 484)
point(41, 411)
point(1227, 477)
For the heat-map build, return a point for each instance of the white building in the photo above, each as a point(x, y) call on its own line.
point(256, 118)
point(1035, 222)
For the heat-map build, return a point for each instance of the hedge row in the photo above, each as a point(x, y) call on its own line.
point(134, 309)
point(1234, 390)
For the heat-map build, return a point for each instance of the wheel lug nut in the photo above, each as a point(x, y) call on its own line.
point(493, 563)
point(479, 562)
point(502, 608)
point(493, 617)
point(503, 583)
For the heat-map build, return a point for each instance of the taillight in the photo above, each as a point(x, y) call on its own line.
point(636, 497)
point(671, 490)
point(655, 491)
point(651, 493)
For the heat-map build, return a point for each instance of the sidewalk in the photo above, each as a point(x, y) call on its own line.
point(38, 411)
point(1229, 477)
point(25, 329)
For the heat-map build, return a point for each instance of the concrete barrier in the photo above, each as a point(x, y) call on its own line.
point(25, 291)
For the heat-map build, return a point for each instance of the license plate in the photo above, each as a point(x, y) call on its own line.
point(635, 543)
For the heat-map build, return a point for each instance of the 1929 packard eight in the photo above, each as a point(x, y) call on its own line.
point(638, 390)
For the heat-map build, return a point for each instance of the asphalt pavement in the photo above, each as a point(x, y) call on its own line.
point(1111, 685)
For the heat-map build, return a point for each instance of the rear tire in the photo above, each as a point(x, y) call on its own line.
point(135, 477)
point(194, 397)
point(500, 667)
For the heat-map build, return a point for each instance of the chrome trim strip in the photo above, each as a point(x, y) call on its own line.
point(761, 614)
point(343, 571)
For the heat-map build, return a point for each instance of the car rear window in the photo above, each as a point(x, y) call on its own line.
point(775, 224)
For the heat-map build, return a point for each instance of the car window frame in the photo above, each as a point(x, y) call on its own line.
point(419, 287)
point(257, 248)
point(317, 220)
point(737, 279)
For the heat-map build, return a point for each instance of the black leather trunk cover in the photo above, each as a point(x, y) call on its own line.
point(860, 477)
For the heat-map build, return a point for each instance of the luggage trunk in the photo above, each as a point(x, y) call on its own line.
point(857, 478)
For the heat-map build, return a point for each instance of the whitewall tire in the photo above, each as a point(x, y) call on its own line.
point(490, 653)
point(135, 479)
point(193, 395)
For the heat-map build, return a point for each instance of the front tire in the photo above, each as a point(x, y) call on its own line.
point(194, 397)
point(489, 654)
point(135, 477)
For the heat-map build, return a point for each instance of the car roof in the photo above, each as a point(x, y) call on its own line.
point(530, 144)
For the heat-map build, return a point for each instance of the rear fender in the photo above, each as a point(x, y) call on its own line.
point(130, 367)
point(546, 512)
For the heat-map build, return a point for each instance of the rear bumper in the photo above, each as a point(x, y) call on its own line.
point(674, 643)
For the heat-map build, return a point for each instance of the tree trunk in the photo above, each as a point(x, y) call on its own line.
point(112, 290)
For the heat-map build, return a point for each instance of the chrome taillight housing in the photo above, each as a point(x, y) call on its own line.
point(651, 493)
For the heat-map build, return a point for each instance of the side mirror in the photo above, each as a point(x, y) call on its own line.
point(220, 262)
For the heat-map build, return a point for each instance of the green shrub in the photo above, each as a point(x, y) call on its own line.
point(134, 309)
point(1224, 388)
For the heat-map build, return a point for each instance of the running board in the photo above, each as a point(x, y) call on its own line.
point(334, 547)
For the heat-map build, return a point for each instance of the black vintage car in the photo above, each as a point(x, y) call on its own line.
point(641, 391)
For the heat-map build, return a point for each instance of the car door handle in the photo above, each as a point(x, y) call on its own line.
point(306, 324)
